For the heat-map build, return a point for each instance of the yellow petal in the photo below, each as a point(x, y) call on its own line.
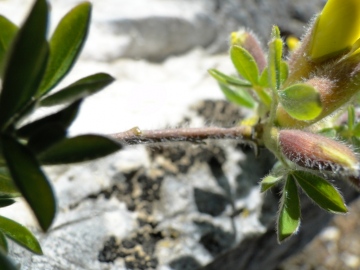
point(337, 28)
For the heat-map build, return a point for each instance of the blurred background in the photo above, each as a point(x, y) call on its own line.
point(159, 51)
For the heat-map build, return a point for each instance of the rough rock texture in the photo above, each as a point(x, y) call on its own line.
point(164, 207)
point(154, 30)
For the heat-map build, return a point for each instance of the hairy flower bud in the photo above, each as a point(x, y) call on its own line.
point(317, 152)
point(250, 42)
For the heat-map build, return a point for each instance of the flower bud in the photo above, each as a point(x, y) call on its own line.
point(317, 152)
point(336, 29)
point(251, 43)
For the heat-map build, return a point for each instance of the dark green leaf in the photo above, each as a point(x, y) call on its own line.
point(6, 202)
point(6, 263)
point(289, 215)
point(46, 137)
point(63, 118)
point(269, 181)
point(3, 243)
point(7, 187)
point(275, 60)
point(80, 89)
point(65, 45)
point(78, 149)
point(7, 34)
point(20, 235)
point(26, 64)
point(245, 64)
point(238, 96)
point(301, 101)
point(222, 78)
point(321, 192)
point(30, 180)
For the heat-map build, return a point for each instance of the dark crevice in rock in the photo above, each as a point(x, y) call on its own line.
point(213, 238)
point(209, 202)
point(137, 250)
point(185, 263)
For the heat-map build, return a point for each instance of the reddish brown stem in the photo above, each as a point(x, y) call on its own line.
point(137, 136)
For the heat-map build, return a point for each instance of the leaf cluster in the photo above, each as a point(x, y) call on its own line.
point(264, 92)
point(31, 66)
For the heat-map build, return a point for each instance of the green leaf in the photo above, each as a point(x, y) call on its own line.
point(222, 78)
point(6, 202)
point(26, 64)
point(7, 34)
point(275, 32)
point(63, 118)
point(351, 117)
point(275, 60)
point(65, 45)
point(245, 64)
point(284, 71)
point(7, 186)
point(3, 244)
point(321, 192)
point(6, 263)
point(78, 149)
point(356, 130)
point(46, 137)
point(328, 132)
point(20, 235)
point(269, 181)
point(289, 215)
point(30, 180)
point(80, 89)
point(301, 101)
point(264, 78)
point(238, 96)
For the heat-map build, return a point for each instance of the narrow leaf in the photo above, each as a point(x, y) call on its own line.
point(289, 215)
point(30, 180)
point(245, 64)
point(63, 118)
point(20, 234)
point(222, 78)
point(6, 202)
point(80, 89)
point(284, 71)
point(46, 137)
point(264, 78)
point(275, 60)
point(269, 181)
point(238, 96)
point(78, 149)
point(6, 263)
point(7, 34)
point(301, 101)
point(3, 243)
point(65, 45)
point(351, 117)
point(26, 64)
point(321, 192)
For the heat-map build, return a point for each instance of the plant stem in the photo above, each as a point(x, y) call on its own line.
point(196, 135)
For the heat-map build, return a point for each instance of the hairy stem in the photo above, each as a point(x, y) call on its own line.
point(196, 135)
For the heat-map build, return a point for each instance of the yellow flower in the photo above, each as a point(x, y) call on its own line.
point(336, 29)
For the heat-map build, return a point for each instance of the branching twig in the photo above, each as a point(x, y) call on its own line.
point(195, 135)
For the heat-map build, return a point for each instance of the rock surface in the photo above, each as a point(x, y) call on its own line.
point(160, 207)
